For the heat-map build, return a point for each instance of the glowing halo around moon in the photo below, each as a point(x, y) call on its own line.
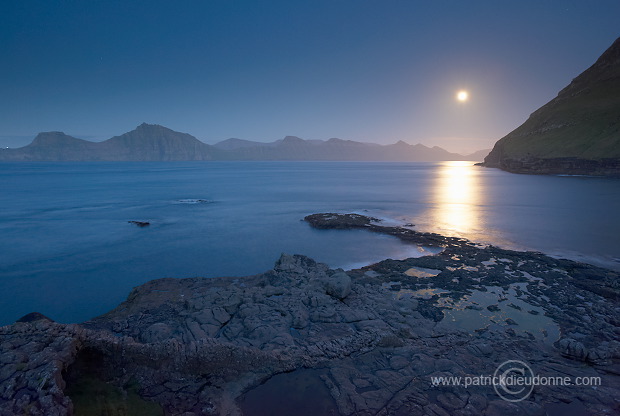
point(462, 96)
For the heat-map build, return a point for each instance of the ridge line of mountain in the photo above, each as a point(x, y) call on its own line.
point(152, 142)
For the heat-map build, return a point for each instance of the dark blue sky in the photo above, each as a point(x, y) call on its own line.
point(376, 71)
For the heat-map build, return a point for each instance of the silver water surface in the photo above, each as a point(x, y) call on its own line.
point(68, 251)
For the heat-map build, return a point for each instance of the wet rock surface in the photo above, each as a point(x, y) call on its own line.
point(359, 342)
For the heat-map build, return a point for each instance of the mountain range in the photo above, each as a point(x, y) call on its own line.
point(578, 132)
point(152, 142)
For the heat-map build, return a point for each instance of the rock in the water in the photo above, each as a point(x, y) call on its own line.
point(140, 223)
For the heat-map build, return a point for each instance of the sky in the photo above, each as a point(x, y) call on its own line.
point(372, 71)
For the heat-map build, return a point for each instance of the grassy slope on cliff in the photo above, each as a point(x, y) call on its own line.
point(583, 121)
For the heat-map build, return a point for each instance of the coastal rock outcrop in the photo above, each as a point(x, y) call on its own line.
point(375, 340)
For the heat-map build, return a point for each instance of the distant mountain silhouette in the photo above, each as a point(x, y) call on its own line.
point(150, 142)
point(578, 132)
point(294, 148)
point(52, 145)
point(154, 142)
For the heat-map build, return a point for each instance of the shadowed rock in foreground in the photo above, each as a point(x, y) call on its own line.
point(360, 342)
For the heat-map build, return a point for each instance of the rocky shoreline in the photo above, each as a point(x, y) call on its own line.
point(608, 167)
point(322, 341)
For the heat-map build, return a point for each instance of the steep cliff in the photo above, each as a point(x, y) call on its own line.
point(578, 132)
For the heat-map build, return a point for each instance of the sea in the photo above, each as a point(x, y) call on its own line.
point(68, 249)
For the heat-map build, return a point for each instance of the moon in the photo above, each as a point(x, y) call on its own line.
point(462, 96)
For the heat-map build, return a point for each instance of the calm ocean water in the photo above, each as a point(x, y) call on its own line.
point(68, 251)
